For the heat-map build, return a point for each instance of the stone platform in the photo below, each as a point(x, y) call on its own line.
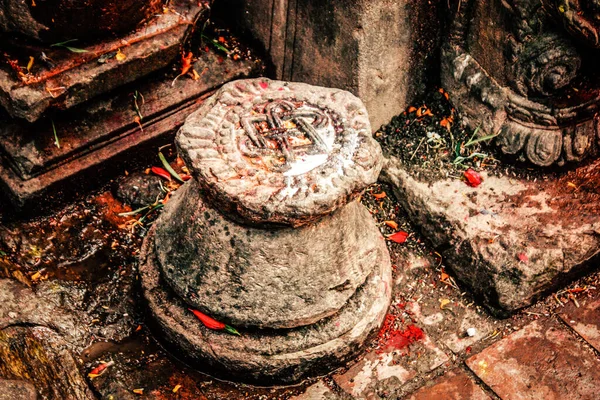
point(102, 135)
point(510, 239)
point(69, 78)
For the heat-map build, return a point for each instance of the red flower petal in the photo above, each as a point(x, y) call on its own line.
point(161, 172)
point(473, 177)
point(398, 237)
point(208, 322)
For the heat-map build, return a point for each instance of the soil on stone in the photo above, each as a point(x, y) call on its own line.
point(430, 141)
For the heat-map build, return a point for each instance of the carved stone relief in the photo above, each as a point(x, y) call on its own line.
point(527, 71)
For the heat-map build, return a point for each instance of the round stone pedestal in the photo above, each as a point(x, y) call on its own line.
point(268, 237)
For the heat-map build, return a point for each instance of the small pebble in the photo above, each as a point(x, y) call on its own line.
point(471, 332)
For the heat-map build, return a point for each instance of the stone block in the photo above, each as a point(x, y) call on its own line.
point(388, 369)
point(72, 78)
point(382, 51)
point(510, 239)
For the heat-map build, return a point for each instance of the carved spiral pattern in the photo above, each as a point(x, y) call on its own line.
point(546, 64)
point(580, 17)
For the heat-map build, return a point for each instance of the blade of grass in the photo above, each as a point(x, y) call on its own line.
point(168, 167)
point(130, 213)
point(217, 45)
point(56, 142)
point(70, 48)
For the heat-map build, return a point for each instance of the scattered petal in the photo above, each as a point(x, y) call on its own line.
point(120, 56)
point(379, 196)
point(523, 258)
point(473, 178)
point(161, 172)
point(398, 237)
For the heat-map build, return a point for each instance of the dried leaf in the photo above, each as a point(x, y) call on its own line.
point(186, 63)
point(443, 303)
point(379, 196)
point(138, 391)
point(176, 388)
point(391, 224)
point(120, 56)
point(30, 63)
point(444, 276)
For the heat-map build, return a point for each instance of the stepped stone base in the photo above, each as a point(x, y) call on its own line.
point(266, 356)
point(510, 239)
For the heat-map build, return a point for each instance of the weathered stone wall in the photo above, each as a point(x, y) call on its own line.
point(383, 51)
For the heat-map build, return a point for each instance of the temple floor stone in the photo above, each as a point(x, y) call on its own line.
point(454, 385)
point(267, 355)
point(510, 239)
point(585, 320)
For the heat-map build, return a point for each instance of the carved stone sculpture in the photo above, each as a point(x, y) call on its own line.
point(527, 71)
point(269, 237)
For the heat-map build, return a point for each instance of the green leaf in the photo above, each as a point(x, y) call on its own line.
point(231, 330)
point(168, 167)
point(56, 142)
point(217, 44)
point(139, 210)
point(70, 48)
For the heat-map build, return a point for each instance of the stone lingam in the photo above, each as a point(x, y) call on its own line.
point(84, 82)
point(269, 236)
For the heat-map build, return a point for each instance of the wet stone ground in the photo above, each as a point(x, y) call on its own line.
point(70, 303)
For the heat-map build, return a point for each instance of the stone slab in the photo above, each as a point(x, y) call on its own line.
point(543, 360)
point(453, 385)
point(274, 152)
point(77, 77)
point(265, 356)
point(383, 51)
point(102, 135)
point(17, 390)
point(510, 239)
point(585, 320)
point(387, 370)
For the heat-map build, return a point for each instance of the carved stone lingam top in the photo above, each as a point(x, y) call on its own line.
point(527, 71)
point(268, 236)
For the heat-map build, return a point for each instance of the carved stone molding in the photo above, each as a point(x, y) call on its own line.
point(514, 72)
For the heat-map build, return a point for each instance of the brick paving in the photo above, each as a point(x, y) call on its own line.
point(454, 385)
point(585, 320)
point(544, 360)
